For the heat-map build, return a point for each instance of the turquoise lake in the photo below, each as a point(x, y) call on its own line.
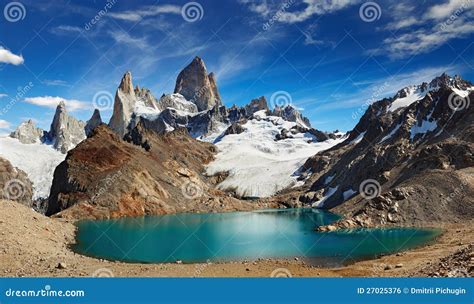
point(240, 235)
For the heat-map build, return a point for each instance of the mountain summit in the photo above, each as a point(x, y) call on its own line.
point(197, 86)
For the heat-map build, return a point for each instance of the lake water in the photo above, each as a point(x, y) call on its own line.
point(239, 235)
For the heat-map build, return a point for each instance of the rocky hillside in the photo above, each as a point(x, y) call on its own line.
point(410, 158)
point(106, 177)
point(14, 184)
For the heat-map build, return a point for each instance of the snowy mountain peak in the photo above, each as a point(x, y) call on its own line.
point(411, 94)
point(291, 113)
point(28, 133)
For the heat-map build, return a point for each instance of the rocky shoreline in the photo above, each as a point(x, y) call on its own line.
point(33, 245)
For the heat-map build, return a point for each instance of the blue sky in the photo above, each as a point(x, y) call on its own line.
point(330, 57)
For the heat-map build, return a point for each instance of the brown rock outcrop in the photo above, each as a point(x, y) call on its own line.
point(197, 86)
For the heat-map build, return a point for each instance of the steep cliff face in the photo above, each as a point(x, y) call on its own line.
point(66, 131)
point(124, 105)
point(197, 86)
point(404, 144)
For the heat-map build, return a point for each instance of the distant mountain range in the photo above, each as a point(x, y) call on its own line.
point(400, 164)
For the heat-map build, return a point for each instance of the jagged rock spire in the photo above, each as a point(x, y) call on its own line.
point(66, 131)
point(124, 105)
point(197, 86)
point(92, 123)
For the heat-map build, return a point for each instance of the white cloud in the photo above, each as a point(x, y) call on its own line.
point(4, 124)
point(56, 82)
point(8, 57)
point(3, 95)
point(422, 33)
point(445, 10)
point(52, 102)
point(125, 38)
point(66, 29)
point(284, 13)
point(425, 40)
point(147, 11)
point(262, 7)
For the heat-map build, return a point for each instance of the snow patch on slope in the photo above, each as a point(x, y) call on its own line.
point(348, 194)
point(389, 135)
point(38, 161)
point(358, 139)
point(413, 95)
point(426, 126)
point(328, 194)
point(258, 165)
